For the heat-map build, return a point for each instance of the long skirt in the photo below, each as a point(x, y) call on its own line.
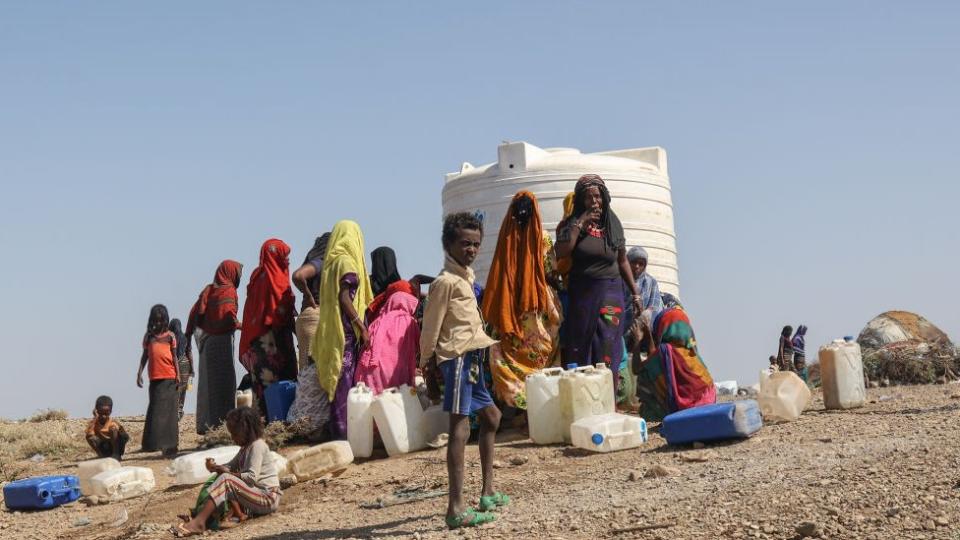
point(311, 404)
point(593, 324)
point(338, 409)
point(306, 327)
point(160, 431)
point(216, 386)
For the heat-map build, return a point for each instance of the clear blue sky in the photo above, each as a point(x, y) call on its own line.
point(812, 147)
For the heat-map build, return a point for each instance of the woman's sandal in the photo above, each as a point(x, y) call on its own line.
point(492, 502)
point(179, 531)
point(469, 518)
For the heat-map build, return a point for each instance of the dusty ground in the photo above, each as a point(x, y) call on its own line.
point(888, 470)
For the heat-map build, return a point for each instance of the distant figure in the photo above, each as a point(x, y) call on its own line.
point(774, 364)
point(248, 485)
point(452, 342)
point(593, 236)
point(798, 344)
point(518, 304)
point(673, 377)
point(160, 430)
point(266, 335)
point(341, 332)
point(105, 435)
point(307, 280)
point(213, 321)
point(785, 350)
point(184, 361)
point(383, 269)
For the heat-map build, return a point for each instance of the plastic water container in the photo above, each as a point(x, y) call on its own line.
point(123, 483)
point(360, 420)
point(244, 398)
point(41, 492)
point(192, 468)
point(584, 391)
point(717, 422)
point(399, 418)
point(783, 396)
point(281, 463)
point(89, 469)
point(435, 421)
point(841, 375)
point(543, 406)
point(279, 397)
point(609, 432)
point(325, 459)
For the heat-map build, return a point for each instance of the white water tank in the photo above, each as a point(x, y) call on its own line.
point(637, 180)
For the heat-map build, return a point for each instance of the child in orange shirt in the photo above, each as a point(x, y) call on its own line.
point(161, 430)
point(105, 435)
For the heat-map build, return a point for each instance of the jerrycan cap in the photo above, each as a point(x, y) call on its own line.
point(597, 439)
point(571, 366)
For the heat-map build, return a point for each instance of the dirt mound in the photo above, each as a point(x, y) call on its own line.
point(903, 347)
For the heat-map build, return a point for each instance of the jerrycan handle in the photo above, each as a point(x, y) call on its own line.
point(584, 369)
point(551, 371)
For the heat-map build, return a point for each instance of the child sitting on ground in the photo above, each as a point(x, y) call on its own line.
point(105, 435)
point(247, 485)
point(452, 341)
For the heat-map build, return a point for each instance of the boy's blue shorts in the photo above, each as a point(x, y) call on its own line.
point(463, 390)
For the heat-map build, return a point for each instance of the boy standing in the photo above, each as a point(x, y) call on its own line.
point(105, 435)
point(451, 341)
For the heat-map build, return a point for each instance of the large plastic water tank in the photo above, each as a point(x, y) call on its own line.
point(637, 180)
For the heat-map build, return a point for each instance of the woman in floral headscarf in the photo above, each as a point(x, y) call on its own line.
point(522, 309)
point(593, 237)
point(266, 335)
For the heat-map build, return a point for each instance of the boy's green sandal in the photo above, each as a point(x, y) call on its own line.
point(492, 502)
point(469, 518)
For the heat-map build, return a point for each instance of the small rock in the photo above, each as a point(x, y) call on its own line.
point(930, 525)
point(942, 521)
point(831, 511)
point(893, 511)
point(699, 445)
point(825, 440)
point(634, 476)
point(661, 471)
point(808, 529)
point(416, 536)
point(874, 384)
point(516, 461)
point(885, 383)
point(497, 464)
point(696, 457)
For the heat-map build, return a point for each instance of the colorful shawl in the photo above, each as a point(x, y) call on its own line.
point(270, 300)
point(215, 310)
point(345, 255)
point(391, 357)
point(675, 378)
point(517, 281)
point(534, 347)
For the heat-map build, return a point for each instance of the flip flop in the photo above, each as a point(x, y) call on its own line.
point(469, 518)
point(492, 502)
point(179, 531)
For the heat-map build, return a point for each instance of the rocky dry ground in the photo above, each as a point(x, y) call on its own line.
point(887, 470)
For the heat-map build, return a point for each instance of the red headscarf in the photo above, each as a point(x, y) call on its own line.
point(381, 300)
point(517, 281)
point(270, 301)
point(215, 310)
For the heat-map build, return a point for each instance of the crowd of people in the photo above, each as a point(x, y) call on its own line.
point(585, 300)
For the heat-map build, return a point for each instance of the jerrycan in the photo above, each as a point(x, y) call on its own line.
point(360, 420)
point(841, 375)
point(399, 418)
point(435, 421)
point(585, 391)
point(90, 468)
point(609, 432)
point(192, 468)
point(330, 458)
point(783, 396)
point(543, 406)
point(123, 483)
